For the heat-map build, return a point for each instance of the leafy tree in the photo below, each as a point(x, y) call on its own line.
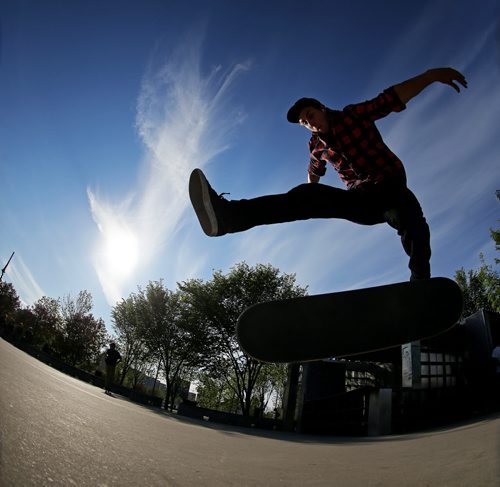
point(217, 304)
point(215, 393)
point(169, 333)
point(271, 384)
point(25, 323)
point(495, 235)
point(83, 336)
point(48, 324)
point(81, 305)
point(127, 326)
point(141, 368)
point(9, 305)
point(210, 390)
point(481, 288)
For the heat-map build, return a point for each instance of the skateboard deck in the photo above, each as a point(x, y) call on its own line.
point(349, 322)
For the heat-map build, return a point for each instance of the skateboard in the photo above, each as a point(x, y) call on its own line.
point(350, 322)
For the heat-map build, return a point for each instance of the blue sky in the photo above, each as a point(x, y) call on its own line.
point(106, 107)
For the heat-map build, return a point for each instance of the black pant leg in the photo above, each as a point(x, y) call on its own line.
point(306, 201)
point(406, 216)
point(395, 205)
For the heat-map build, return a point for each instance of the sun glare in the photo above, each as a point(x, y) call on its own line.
point(121, 251)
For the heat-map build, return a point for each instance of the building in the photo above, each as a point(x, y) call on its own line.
point(419, 384)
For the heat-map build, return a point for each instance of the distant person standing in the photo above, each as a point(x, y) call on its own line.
point(111, 359)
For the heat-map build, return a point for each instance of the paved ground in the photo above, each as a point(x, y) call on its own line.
point(58, 431)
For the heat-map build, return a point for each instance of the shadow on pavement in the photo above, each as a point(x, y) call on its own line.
point(295, 437)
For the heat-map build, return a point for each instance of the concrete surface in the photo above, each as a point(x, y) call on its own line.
point(57, 431)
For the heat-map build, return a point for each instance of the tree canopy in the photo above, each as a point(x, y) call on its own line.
point(217, 304)
point(481, 287)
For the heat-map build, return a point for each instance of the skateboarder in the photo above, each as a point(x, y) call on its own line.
point(375, 177)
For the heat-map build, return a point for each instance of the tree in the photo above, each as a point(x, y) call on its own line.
point(215, 393)
point(9, 305)
point(83, 336)
point(209, 390)
point(127, 326)
point(169, 334)
point(271, 384)
point(481, 288)
point(495, 235)
point(71, 307)
point(48, 324)
point(217, 304)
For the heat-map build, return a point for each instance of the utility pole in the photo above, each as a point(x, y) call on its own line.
point(6, 265)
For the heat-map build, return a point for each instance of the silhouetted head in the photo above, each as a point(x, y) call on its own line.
point(311, 114)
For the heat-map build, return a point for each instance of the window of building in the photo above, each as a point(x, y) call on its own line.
point(439, 369)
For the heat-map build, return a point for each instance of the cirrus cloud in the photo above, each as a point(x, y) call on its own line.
point(180, 124)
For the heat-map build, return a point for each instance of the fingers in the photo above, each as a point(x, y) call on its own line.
point(452, 77)
point(461, 79)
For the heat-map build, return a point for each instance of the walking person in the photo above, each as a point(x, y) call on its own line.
point(111, 359)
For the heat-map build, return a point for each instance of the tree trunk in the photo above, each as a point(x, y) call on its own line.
point(168, 393)
point(156, 379)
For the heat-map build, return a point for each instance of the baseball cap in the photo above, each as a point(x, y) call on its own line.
point(294, 112)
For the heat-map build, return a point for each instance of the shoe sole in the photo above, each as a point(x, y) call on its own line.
point(199, 194)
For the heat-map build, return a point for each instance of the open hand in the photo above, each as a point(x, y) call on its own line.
point(449, 76)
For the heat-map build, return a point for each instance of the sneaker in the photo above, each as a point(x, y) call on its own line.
point(210, 207)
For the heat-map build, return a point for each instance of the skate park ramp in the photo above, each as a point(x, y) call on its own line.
point(58, 431)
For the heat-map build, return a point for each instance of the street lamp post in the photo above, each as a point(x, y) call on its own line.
point(6, 265)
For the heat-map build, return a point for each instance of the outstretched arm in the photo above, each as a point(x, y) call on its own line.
point(410, 88)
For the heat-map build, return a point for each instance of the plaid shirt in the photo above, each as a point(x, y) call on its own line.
point(355, 147)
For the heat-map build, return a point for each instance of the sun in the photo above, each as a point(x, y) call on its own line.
point(121, 251)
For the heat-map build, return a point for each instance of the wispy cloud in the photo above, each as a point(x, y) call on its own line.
point(180, 122)
point(27, 287)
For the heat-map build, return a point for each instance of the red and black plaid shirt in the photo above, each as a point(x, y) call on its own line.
point(354, 145)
